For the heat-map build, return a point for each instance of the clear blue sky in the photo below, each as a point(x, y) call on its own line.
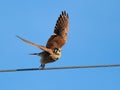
point(94, 38)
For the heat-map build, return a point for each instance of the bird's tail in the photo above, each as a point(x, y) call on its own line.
point(38, 54)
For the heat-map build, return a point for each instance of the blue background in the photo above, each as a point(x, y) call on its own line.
point(94, 38)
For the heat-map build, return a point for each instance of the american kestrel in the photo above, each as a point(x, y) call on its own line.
point(53, 49)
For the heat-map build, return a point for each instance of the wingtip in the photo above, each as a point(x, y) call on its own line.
point(65, 13)
point(17, 36)
point(20, 37)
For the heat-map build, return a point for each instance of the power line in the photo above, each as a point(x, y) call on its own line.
point(63, 67)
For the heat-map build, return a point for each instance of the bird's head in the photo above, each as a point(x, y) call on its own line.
point(57, 51)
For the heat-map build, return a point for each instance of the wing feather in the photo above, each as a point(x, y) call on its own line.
point(36, 45)
point(61, 32)
point(62, 24)
point(60, 37)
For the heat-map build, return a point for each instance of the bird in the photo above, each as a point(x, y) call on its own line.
point(53, 49)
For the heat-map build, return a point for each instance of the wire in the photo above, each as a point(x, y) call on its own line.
point(64, 67)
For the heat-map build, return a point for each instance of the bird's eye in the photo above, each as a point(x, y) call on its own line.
point(56, 50)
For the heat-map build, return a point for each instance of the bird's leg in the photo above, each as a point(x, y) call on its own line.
point(42, 66)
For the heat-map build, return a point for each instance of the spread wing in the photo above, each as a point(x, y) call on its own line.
point(59, 38)
point(33, 44)
point(61, 32)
